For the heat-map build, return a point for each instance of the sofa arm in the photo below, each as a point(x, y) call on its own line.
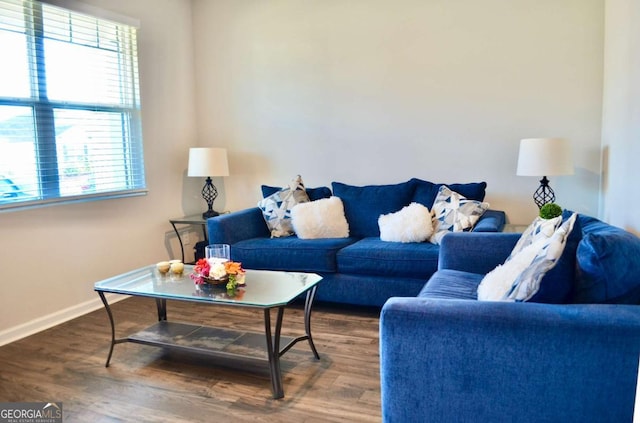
point(490, 221)
point(237, 226)
point(475, 252)
point(457, 360)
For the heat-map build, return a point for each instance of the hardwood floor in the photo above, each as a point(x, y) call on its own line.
point(148, 384)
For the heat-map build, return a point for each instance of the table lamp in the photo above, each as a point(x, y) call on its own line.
point(544, 157)
point(208, 162)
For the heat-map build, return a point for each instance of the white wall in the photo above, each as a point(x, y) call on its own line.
point(373, 91)
point(380, 91)
point(52, 256)
point(621, 122)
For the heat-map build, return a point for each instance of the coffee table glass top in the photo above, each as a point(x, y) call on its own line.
point(263, 288)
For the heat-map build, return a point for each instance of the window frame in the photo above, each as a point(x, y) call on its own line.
point(44, 124)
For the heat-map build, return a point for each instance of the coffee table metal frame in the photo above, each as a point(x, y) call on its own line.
point(272, 335)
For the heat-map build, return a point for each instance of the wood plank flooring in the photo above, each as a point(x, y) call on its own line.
point(148, 384)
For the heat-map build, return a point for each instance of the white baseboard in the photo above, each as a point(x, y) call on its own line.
point(45, 322)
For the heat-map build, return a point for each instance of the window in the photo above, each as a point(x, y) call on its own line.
point(69, 107)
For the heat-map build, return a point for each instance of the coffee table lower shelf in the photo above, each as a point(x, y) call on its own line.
point(269, 290)
point(206, 340)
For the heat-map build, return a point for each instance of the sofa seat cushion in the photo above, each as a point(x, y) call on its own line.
point(372, 256)
point(452, 284)
point(289, 253)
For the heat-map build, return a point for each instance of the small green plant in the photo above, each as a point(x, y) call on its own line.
point(550, 210)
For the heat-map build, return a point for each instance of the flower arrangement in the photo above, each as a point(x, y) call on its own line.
point(216, 272)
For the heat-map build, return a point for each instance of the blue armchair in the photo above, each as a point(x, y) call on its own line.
point(446, 357)
point(471, 361)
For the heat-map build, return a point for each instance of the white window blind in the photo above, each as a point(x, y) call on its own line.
point(69, 107)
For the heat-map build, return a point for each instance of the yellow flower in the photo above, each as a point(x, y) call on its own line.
point(233, 267)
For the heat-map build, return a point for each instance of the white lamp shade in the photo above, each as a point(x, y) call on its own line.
point(545, 157)
point(208, 162)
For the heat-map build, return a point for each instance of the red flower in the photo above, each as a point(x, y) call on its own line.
point(200, 270)
point(202, 267)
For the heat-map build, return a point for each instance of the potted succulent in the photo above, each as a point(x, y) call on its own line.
point(550, 210)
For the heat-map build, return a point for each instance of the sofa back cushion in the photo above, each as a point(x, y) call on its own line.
point(608, 265)
point(363, 205)
point(425, 192)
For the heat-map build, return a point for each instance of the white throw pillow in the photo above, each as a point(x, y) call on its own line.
point(276, 208)
point(410, 224)
point(320, 219)
point(495, 285)
point(452, 212)
point(518, 279)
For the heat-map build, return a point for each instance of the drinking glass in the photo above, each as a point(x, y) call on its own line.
point(217, 252)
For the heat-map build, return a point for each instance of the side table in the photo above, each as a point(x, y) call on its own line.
point(195, 219)
point(515, 228)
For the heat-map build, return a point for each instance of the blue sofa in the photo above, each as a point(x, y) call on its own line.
point(360, 269)
point(447, 357)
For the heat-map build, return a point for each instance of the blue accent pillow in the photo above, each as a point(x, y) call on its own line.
point(425, 192)
point(364, 205)
point(314, 193)
point(608, 265)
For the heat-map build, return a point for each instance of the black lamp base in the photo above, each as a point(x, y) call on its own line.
point(210, 213)
point(544, 194)
point(209, 194)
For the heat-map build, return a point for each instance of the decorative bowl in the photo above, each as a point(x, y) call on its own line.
point(212, 281)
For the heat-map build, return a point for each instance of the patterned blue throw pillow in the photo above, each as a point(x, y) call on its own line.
point(425, 192)
point(538, 229)
point(276, 208)
point(453, 212)
point(314, 194)
point(520, 277)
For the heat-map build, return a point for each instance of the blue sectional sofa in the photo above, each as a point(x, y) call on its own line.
point(447, 357)
point(360, 269)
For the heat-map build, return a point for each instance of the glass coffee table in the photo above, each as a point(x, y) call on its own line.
point(265, 290)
